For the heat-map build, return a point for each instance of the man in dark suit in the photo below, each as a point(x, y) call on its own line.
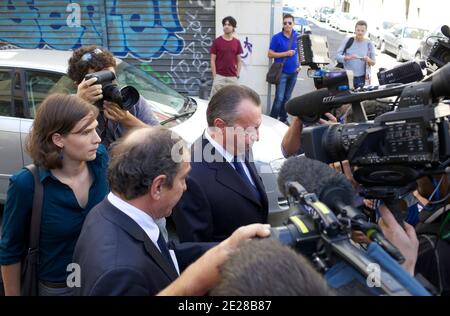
point(224, 190)
point(121, 250)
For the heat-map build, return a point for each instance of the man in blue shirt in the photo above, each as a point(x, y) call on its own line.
point(281, 51)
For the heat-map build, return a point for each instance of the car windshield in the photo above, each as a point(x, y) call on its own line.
point(300, 21)
point(388, 25)
point(414, 33)
point(150, 88)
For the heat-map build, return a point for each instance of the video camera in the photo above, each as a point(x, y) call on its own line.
point(125, 97)
point(399, 146)
point(440, 53)
point(322, 226)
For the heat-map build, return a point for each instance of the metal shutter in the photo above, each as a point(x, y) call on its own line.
point(167, 38)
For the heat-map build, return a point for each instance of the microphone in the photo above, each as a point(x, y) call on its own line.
point(334, 190)
point(310, 106)
point(445, 30)
point(313, 104)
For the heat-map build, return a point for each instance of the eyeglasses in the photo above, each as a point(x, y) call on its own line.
point(88, 56)
point(287, 23)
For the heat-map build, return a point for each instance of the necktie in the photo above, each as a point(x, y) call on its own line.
point(165, 250)
point(240, 170)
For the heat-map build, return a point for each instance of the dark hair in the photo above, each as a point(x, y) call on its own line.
point(88, 57)
point(230, 20)
point(58, 113)
point(264, 267)
point(136, 163)
point(361, 23)
point(288, 16)
point(225, 102)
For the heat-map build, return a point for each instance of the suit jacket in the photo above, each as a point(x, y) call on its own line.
point(217, 201)
point(116, 256)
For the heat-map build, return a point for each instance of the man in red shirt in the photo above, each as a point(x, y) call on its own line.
point(225, 57)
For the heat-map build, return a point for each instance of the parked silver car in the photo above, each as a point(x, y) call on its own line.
point(28, 76)
point(376, 32)
point(403, 41)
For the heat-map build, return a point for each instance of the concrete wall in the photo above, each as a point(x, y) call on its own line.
point(253, 29)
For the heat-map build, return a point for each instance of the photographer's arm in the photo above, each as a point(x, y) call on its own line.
point(291, 141)
point(203, 274)
point(404, 239)
point(113, 112)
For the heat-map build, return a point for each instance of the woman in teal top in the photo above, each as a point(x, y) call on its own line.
point(64, 144)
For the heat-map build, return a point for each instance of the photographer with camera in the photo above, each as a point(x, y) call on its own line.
point(114, 119)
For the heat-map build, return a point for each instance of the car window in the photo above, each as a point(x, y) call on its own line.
point(152, 89)
point(396, 30)
point(5, 93)
point(414, 33)
point(40, 84)
point(387, 25)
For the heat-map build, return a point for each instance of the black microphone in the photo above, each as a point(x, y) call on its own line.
point(445, 30)
point(333, 189)
point(316, 103)
point(310, 106)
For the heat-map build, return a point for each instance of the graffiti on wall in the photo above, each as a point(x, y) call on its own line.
point(189, 72)
point(247, 50)
point(148, 33)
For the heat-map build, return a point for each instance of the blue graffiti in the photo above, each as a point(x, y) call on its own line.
point(41, 24)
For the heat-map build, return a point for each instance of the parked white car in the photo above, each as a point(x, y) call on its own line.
point(376, 32)
point(28, 76)
point(347, 22)
point(403, 41)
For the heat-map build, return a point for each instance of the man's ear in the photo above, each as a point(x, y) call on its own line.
point(157, 186)
point(58, 140)
point(219, 123)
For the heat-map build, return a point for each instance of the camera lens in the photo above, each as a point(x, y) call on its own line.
point(129, 96)
point(111, 92)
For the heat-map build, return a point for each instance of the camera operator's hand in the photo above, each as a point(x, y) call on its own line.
point(113, 112)
point(345, 168)
point(292, 139)
point(89, 91)
point(203, 274)
point(404, 239)
point(331, 119)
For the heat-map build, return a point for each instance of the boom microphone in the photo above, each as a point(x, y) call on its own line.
point(313, 104)
point(445, 30)
point(310, 106)
point(333, 189)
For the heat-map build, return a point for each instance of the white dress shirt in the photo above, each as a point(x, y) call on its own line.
point(145, 221)
point(228, 157)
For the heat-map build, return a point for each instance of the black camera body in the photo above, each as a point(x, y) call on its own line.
point(440, 53)
point(125, 97)
point(398, 147)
